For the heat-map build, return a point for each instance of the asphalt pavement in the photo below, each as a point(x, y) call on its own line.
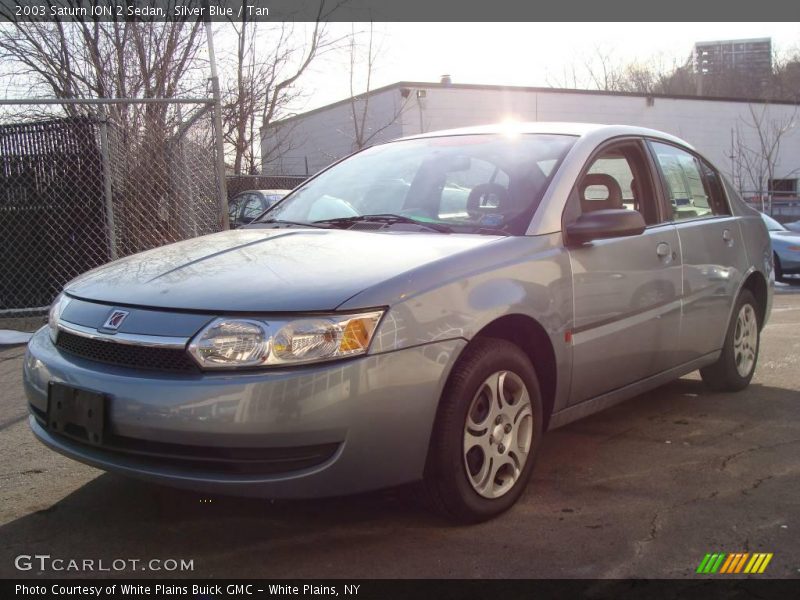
point(644, 489)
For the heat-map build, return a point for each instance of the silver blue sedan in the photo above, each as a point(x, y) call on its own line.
point(785, 248)
point(419, 313)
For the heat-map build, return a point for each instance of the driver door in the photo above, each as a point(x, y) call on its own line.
point(627, 290)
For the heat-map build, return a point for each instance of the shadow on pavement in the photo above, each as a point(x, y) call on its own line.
point(113, 517)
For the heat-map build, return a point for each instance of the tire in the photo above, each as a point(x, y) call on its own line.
point(462, 480)
point(778, 269)
point(735, 367)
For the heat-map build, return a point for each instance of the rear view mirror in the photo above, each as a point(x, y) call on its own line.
point(606, 223)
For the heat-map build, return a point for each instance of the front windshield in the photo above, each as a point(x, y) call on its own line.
point(772, 224)
point(464, 183)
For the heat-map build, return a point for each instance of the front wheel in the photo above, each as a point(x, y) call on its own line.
point(735, 367)
point(487, 433)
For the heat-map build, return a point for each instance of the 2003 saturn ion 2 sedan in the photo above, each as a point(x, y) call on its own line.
point(421, 311)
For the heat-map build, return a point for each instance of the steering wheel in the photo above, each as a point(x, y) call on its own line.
point(486, 198)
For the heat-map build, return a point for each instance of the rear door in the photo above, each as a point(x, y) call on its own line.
point(626, 290)
point(714, 257)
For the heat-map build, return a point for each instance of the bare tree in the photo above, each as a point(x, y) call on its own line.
point(123, 59)
point(786, 75)
point(262, 86)
point(653, 75)
point(679, 80)
point(597, 71)
point(603, 70)
point(93, 59)
point(638, 78)
point(757, 163)
point(365, 128)
point(567, 80)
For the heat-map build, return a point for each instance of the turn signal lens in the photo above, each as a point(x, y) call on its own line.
point(325, 338)
point(357, 334)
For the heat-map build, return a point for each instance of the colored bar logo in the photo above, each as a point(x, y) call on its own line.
point(736, 562)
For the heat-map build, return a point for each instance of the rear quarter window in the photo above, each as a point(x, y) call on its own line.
point(694, 189)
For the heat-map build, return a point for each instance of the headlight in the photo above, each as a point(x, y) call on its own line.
point(231, 342)
point(56, 308)
point(227, 343)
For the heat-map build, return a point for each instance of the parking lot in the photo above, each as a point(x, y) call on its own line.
point(644, 489)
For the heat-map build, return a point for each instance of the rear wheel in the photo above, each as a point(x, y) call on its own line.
point(487, 433)
point(735, 367)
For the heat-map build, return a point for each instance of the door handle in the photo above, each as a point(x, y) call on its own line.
point(664, 252)
point(727, 237)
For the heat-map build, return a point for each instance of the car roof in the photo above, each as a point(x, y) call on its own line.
point(596, 130)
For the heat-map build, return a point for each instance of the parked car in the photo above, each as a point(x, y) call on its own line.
point(246, 206)
point(422, 311)
point(785, 250)
point(793, 226)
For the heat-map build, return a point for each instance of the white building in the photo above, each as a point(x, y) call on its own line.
point(722, 129)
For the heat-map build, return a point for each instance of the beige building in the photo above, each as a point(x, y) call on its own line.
point(720, 128)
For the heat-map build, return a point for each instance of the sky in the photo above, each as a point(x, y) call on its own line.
point(522, 54)
point(527, 54)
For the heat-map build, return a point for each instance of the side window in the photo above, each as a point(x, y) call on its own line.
point(717, 198)
point(610, 180)
point(253, 207)
point(619, 178)
point(693, 188)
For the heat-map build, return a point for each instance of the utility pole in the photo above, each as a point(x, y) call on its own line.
point(221, 187)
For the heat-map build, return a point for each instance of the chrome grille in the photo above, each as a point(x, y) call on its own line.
point(126, 355)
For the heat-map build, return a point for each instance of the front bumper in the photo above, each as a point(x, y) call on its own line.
point(373, 415)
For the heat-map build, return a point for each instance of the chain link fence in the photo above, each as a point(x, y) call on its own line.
point(77, 192)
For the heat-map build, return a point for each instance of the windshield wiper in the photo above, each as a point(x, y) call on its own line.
point(282, 222)
point(387, 218)
point(492, 231)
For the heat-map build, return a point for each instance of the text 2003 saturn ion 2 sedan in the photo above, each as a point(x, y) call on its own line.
point(419, 312)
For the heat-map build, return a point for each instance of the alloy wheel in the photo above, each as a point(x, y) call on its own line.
point(498, 434)
point(745, 340)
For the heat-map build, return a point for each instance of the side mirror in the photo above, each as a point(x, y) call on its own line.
point(607, 223)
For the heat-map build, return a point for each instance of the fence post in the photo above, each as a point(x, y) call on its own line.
point(220, 144)
point(109, 201)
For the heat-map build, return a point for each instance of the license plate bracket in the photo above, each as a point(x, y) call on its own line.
point(76, 413)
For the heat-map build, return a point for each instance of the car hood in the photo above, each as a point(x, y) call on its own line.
point(265, 270)
point(793, 235)
point(784, 238)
